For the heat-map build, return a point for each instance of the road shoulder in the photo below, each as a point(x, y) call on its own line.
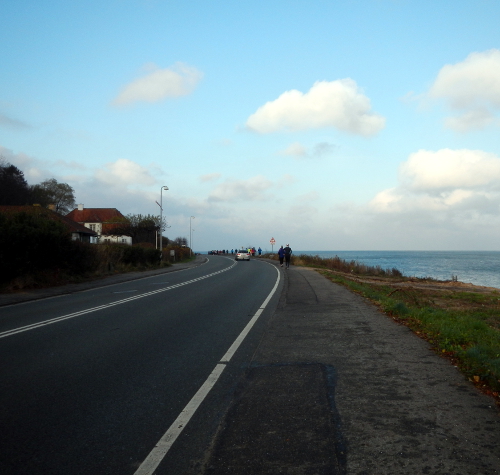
point(395, 407)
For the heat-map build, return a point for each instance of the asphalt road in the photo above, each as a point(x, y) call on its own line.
point(324, 383)
point(90, 381)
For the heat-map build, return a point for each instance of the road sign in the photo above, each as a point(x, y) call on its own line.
point(273, 242)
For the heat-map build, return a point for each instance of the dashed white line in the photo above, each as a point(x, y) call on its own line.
point(26, 328)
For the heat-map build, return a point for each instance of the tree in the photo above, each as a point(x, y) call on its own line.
point(141, 228)
point(14, 190)
point(181, 241)
point(51, 192)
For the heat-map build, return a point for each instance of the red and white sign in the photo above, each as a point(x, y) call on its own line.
point(272, 241)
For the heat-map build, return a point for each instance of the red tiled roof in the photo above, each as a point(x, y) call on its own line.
point(94, 215)
point(72, 226)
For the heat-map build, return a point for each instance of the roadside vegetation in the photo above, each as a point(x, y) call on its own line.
point(460, 321)
point(36, 251)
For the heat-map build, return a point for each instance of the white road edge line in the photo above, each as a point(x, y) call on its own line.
point(165, 443)
point(26, 328)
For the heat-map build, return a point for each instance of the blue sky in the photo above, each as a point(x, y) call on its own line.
point(329, 125)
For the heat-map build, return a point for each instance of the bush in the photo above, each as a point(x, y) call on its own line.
point(121, 257)
point(36, 249)
point(84, 258)
point(140, 256)
point(341, 265)
point(181, 253)
point(30, 243)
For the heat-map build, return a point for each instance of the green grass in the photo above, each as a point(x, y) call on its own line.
point(461, 325)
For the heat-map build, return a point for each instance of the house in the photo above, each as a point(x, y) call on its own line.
point(102, 221)
point(78, 231)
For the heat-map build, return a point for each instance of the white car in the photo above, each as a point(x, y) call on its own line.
point(242, 256)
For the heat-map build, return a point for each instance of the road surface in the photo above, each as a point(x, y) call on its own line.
point(91, 381)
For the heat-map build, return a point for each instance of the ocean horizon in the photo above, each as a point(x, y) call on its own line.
point(475, 267)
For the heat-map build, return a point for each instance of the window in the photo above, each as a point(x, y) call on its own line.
point(92, 227)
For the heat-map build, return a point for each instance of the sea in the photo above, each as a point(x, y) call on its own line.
point(475, 267)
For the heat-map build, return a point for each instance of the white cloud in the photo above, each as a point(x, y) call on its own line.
point(339, 104)
point(451, 169)
point(121, 174)
point(124, 172)
point(210, 177)
point(386, 201)
point(295, 149)
point(179, 80)
point(253, 189)
point(472, 120)
point(311, 196)
point(471, 88)
point(286, 180)
point(34, 170)
point(302, 213)
point(298, 151)
point(447, 181)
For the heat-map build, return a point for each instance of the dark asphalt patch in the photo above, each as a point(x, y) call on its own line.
point(283, 421)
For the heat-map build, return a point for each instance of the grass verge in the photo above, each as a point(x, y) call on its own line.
point(461, 325)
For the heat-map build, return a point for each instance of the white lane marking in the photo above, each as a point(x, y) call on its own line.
point(27, 302)
point(165, 443)
point(101, 307)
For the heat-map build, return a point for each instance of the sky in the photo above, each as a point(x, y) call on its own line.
point(326, 124)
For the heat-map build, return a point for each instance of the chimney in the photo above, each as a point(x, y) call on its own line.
point(80, 207)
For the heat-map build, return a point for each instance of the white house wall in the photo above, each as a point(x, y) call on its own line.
point(116, 239)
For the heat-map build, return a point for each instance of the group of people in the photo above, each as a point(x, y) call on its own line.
point(251, 250)
point(285, 253)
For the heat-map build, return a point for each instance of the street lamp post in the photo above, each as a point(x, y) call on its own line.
point(161, 217)
point(190, 236)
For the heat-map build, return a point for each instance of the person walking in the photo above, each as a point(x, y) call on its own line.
point(281, 255)
point(288, 253)
point(260, 251)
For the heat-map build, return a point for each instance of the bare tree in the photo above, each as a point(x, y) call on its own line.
point(181, 241)
point(141, 228)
